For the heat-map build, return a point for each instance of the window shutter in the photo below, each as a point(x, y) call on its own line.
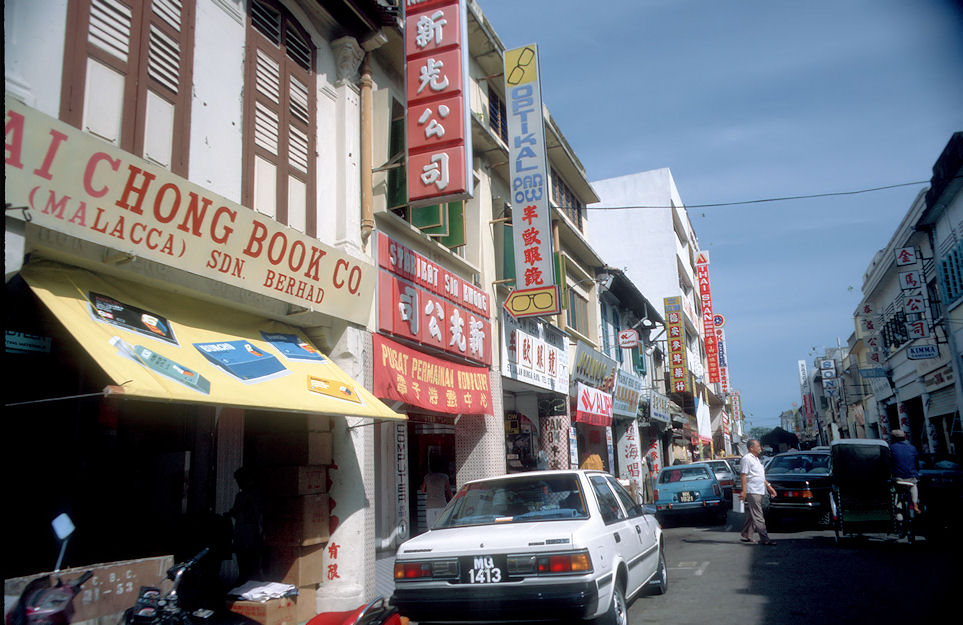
point(110, 27)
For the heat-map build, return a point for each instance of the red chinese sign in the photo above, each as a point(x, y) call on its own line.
point(708, 319)
point(406, 375)
point(436, 72)
point(593, 406)
point(420, 300)
point(675, 329)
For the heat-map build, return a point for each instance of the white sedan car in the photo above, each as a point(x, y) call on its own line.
point(561, 546)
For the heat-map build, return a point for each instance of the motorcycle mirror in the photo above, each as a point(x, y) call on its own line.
point(63, 527)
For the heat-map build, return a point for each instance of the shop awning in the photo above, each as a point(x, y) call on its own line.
point(164, 346)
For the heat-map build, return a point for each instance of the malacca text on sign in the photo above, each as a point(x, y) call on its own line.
point(76, 184)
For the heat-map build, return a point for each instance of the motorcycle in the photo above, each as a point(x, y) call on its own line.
point(43, 604)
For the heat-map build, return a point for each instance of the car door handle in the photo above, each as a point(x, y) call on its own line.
point(618, 538)
point(638, 529)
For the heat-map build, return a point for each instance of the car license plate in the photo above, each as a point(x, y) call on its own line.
point(686, 496)
point(483, 570)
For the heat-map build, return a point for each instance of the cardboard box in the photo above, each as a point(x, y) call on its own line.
point(296, 448)
point(299, 566)
point(307, 603)
point(281, 611)
point(296, 521)
point(290, 481)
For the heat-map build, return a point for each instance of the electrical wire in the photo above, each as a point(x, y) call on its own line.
point(771, 199)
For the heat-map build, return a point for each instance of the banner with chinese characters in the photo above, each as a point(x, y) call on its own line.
point(406, 375)
point(630, 458)
point(675, 329)
point(723, 360)
point(436, 77)
point(708, 319)
point(422, 301)
point(528, 170)
point(535, 353)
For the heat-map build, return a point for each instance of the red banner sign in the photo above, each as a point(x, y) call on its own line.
point(593, 406)
point(404, 374)
point(421, 301)
point(436, 72)
point(708, 322)
point(414, 267)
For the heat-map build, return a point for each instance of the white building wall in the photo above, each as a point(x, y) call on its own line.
point(33, 51)
point(646, 245)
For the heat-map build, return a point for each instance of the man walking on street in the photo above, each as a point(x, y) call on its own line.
point(754, 487)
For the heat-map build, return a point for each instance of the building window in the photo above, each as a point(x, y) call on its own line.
point(566, 201)
point(616, 327)
point(497, 115)
point(951, 274)
point(279, 118)
point(127, 76)
point(578, 313)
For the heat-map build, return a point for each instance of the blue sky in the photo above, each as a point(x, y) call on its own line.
point(751, 99)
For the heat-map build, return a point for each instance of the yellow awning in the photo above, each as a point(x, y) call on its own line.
point(164, 346)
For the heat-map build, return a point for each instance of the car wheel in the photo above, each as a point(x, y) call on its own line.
point(618, 612)
point(660, 583)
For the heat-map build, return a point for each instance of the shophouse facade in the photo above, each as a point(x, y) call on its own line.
point(661, 255)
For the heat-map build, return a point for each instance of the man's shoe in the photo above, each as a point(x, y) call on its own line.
point(768, 542)
point(746, 540)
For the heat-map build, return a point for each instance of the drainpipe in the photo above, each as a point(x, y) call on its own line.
point(367, 210)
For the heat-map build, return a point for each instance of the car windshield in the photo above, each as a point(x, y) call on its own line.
point(683, 474)
point(518, 499)
point(813, 464)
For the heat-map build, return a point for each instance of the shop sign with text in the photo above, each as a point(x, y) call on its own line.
point(406, 375)
point(436, 77)
point(708, 318)
point(534, 353)
point(528, 170)
point(593, 368)
point(675, 329)
point(628, 388)
point(592, 406)
point(420, 300)
point(73, 183)
point(659, 407)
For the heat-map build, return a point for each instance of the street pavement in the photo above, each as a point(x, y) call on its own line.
point(807, 577)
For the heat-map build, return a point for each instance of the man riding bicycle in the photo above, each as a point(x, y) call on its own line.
point(906, 462)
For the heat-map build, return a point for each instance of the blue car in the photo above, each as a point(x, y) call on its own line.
point(686, 490)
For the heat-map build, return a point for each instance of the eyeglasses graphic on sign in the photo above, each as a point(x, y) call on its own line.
point(517, 74)
point(524, 302)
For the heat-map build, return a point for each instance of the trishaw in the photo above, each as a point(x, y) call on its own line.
point(865, 499)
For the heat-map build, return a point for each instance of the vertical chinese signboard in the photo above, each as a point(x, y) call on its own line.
point(708, 319)
point(528, 173)
point(436, 74)
point(678, 370)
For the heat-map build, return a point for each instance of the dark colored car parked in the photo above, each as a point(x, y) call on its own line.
point(802, 482)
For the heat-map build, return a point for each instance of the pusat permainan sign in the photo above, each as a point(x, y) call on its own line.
point(438, 123)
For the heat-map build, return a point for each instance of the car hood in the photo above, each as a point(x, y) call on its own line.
point(516, 537)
